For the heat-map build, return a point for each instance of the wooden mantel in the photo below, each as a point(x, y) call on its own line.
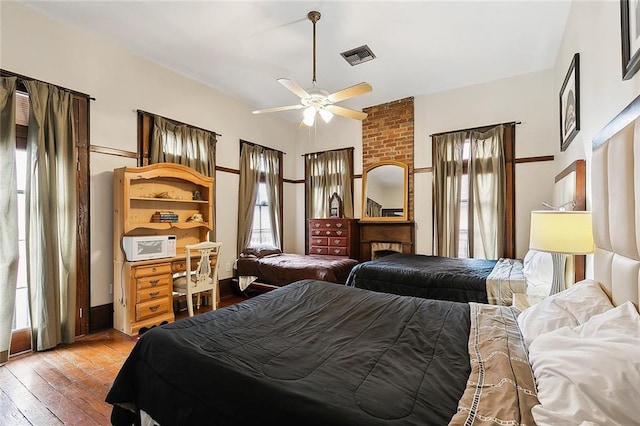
point(386, 232)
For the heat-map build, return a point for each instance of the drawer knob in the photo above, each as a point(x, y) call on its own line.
point(339, 232)
point(154, 308)
point(154, 282)
point(336, 251)
point(317, 225)
point(318, 250)
point(328, 225)
point(339, 225)
point(328, 232)
point(153, 269)
point(154, 293)
point(336, 241)
point(317, 232)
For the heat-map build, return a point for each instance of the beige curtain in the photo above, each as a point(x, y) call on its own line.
point(329, 172)
point(8, 212)
point(271, 160)
point(487, 194)
point(183, 144)
point(248, 192)
point(51, 216)
point(447, 171)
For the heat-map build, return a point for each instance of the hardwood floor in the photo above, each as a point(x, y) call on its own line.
point(67, 385)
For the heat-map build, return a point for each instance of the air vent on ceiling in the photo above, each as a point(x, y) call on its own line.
point(358, 55)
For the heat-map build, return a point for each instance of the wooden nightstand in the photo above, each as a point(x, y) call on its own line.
point(522, 301)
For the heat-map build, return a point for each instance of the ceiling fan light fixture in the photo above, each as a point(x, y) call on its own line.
point(309, 116)
point(315, 100)
point(326, 115)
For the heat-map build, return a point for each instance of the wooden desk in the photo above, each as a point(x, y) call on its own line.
point(145, 295)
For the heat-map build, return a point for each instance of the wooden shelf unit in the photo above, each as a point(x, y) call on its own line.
point(143, 290)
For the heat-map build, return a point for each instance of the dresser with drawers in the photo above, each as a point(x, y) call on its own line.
point(334, 237)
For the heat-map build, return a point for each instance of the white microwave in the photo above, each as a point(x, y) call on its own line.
point(138, 248)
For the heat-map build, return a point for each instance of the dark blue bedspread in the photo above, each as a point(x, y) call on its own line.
point(428, 277)
point(310, 353)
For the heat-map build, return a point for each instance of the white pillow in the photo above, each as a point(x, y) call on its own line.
point(571, 307)
point(589, 374)
point(538, 272)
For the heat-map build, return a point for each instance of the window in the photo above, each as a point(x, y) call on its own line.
point(326, 173)
point(260, 198)
point(261, 232)
point(463, 236)
point(474, 193)
point(20, 325)
point(21, 315)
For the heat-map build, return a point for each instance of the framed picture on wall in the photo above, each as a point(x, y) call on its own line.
point(630, 32)
point(570, 104)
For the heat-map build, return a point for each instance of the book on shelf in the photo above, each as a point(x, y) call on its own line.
point(164, 216)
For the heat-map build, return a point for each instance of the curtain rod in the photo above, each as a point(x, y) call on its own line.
point(5, 73)
point(510, 123)
point(261, 146)
point(139, 111)
point(331, 150)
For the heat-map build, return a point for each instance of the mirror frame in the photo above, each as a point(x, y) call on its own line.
point(365, 172)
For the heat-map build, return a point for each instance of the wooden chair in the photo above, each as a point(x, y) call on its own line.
point(205, 275)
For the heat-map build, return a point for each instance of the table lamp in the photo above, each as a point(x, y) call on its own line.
point(561, 233)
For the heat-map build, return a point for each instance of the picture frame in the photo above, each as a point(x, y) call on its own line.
point(630, 33)
point(570, 104)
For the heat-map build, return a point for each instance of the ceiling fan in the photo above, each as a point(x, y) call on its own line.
point(315, 100)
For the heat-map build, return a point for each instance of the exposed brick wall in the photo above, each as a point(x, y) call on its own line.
point(387, 134)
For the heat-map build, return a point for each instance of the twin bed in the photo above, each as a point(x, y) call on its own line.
point(278, 269)
point(316, 353)
point(442, 278)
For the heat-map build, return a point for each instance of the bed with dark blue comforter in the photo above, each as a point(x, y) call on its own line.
point(429, 277)
point(310, 353)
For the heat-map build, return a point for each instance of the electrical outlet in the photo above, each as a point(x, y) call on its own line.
point(227, 267)
point(110, 288)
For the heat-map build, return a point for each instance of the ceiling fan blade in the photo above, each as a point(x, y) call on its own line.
point(293, 86)
point(276, 109)
point(346, 112)
point(350, 92)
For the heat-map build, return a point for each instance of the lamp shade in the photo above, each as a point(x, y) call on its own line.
point(568, 232)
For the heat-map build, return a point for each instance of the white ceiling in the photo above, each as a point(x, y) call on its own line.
point(242, 47)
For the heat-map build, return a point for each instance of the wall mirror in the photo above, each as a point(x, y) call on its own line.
point(384, 192)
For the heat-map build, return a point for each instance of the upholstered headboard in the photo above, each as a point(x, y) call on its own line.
point(615, 176)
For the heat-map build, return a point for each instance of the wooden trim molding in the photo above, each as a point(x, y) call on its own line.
point(423, 170)
point(81, 114)
point(113, 151)
point(101, 317)
point(227, 170)
point(226, 287)
point(534, 159)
